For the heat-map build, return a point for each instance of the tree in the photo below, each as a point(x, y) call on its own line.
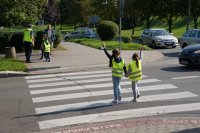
point(168, 11)
point(51, 13)
point(75, 11)
point(18, 12)
point(148, 10)
point(195, 11)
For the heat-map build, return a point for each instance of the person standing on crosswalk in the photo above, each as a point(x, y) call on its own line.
point(134, 73)
point(118, 67)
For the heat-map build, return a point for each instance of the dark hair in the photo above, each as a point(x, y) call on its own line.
point(136, 58)
point(115, 52)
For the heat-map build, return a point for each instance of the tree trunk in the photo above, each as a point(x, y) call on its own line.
point(195, 18)
point(147, 22)
point(170, 23)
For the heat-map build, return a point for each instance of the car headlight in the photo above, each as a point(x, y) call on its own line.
point(197, 52)
point(159, 40)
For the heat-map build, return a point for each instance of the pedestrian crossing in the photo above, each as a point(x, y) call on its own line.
point(74, 92)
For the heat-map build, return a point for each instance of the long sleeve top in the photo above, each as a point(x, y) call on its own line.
point(110, 57)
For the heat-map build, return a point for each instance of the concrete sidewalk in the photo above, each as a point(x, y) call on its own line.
point(76, 58)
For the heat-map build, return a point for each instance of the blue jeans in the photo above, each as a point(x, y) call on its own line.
point(116, 87)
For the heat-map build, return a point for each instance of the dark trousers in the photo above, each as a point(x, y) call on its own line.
point(47, 56)
point(28, 50)
point(42, 53)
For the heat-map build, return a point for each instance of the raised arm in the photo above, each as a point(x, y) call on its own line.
point(106, 52)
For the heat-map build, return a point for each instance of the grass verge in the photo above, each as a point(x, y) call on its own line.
point(12, 65)
point(95, 43)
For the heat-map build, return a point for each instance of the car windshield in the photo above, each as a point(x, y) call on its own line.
point(160, 32)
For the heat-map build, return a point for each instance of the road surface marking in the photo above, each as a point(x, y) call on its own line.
point(116, 115)
point(101, 103)
point(97, 93)
point(84, 87)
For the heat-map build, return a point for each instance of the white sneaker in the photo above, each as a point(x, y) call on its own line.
point(114, 101)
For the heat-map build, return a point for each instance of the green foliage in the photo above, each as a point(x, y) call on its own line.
point(127, 39)
point(17, 41)
point(5, 37)
point(38, 39)
point(12, 65)
point(19, 12)
point(107, 30)
point(95, 43)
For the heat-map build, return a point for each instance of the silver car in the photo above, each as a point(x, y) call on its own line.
point(158, 38)
point(190, 37)
point(81, 33)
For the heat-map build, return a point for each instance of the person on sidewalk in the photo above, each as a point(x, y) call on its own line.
point(51, 36)
point(28, 41)
point(46, 47)
point(134, 73)
point(118, 66)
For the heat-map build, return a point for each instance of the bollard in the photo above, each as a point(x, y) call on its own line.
point(10, 52)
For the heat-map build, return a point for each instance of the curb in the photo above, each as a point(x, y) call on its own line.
point(7, 74)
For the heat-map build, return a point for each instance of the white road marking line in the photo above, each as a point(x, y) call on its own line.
point(77, 82)
point(186, 77)
point(78, 106)
point(97, 93)
point(83, 87)
point(76, 77)
point(67, 74)
point(116, 115)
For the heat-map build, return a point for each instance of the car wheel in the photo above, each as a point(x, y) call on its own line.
point(153, 45)
point(67, 38)
point(141, 42)
point(184, 45)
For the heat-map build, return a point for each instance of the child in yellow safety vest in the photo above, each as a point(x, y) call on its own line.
point(47, 48)
point(134, 73)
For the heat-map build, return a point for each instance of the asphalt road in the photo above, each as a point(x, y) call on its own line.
point(23, 100)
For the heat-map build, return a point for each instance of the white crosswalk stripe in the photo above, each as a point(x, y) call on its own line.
point(85, 87)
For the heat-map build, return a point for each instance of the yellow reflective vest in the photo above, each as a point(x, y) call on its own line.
point(136, 72)
point(47, 46)
point(117, 68)
point(27, 35)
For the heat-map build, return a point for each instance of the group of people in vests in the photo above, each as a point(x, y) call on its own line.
point(46, 46)
point(133, 71)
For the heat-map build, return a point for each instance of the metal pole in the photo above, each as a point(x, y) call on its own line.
point(188, 18)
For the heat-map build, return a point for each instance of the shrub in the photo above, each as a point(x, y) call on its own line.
point(58, 39)
point(38, 39)
point(17, 41)
point(127, 39)
point(107, 30)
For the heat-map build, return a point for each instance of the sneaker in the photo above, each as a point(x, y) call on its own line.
point(41, 58)
point(134, 100)
point(138, 96)
point(119, 98)
point(114, 101)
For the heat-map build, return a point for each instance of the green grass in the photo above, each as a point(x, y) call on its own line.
point(12, 65)
point(95, 43)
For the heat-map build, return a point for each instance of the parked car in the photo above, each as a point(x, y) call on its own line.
point(190, 37)
point(81, 33)
point(158, 38)
point(190, 55)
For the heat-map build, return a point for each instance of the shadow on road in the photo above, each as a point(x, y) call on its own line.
point(193, 130)
point(182, 69)
point(174, 54)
